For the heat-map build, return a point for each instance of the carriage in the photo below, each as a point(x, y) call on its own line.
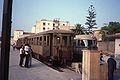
point(51, 45)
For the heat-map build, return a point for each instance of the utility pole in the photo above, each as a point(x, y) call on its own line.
point(5, 41)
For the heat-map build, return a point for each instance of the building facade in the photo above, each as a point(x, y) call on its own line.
point(98, 35)
point(19, 34)
point(45, 25)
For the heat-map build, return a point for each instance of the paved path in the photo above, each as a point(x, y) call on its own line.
point(117, 75)
point(38, 71)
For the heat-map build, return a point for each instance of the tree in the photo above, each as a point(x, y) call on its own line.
point(104, 35)
point(78, 29)
point(112, 28)
point(91, 22)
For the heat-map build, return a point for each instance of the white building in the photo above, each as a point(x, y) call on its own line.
point(18, 34)
point(45, 25)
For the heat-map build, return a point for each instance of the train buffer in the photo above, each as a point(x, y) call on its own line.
point(38, 70)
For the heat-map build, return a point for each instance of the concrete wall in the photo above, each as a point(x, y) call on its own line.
point(117, 46)
point(106, 46)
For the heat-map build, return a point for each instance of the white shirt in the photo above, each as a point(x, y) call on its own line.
point(105, 58)
point(21, 50)
point(27, 49)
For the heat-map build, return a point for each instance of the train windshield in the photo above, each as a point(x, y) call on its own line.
point(85, 43)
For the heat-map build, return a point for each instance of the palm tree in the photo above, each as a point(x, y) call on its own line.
point(78, 29)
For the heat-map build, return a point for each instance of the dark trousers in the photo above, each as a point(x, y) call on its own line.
point(110, 75)
point(21, 59)
point(27, 56)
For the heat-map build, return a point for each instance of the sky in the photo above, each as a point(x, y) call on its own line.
point(25, 13)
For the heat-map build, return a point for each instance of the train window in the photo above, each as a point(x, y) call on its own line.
point(27, 41)
point(79, 43)
point(41, 38)
point(82, 43)
point(44, 38)
point(74, 43)
point(37, 40)
point(47, 40)
point(32, 41)
point(40, 42)
point(58, 40)
point(89, 42)
point(64, 40)
point(70, 40)
point(44, 42)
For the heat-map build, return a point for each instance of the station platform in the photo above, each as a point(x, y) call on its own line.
point(38, 70)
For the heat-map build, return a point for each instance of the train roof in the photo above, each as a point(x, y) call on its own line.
point(59, 31)
point(85, 37)
point(53, 31)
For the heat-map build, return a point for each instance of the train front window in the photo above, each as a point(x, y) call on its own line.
point(90, 42)
point(86, 43)
point(82, 43)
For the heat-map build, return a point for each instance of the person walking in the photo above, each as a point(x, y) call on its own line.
point(27, 55)
point(111, 67)
point(22, 56)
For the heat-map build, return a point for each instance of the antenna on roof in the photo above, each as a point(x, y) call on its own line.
point(57, 20)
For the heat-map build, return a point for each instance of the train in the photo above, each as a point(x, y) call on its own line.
point(59, 45)
point(52, 44)
point(82, 42)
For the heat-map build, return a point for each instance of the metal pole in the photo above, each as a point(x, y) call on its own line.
point(5, 45)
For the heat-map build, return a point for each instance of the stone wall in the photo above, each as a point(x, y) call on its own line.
point(108, 46)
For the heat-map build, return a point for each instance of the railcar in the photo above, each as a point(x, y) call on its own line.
point(51, 44)
point(83, 42)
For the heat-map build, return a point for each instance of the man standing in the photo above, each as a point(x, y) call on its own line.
point(27, 54)
point(22, 55)
point(111, 67)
